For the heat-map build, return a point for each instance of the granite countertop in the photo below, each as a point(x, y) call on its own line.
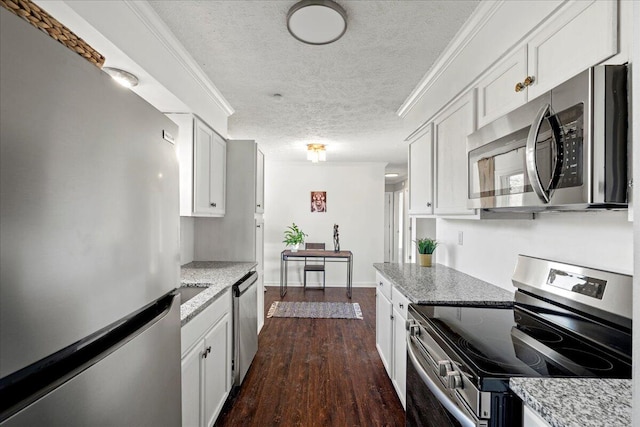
point(216, 276)
point(577, 402)
point(442, 285)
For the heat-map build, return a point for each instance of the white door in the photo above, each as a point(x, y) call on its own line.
point(384, 330)
point(388, 232)
point(260, 270)
point(192, 385)
point(217, 372)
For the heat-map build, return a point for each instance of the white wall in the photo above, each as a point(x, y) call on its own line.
point(489, 251)
point(355, 201)
point(187, 239)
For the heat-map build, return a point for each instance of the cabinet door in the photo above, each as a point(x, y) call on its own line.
point(260, 182)
point(451, 128)
point(217, 183)
point(400, 355)
point(421, 173)
point(192, 386)
point(384, 330)
point(260, 270)
point(497, 89)
point(581, 35)
point(209, 171)
point(217, 369)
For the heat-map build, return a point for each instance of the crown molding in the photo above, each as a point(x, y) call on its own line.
point(159, 29)
point(478, 19)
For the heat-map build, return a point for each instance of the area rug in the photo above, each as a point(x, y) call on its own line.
point(316, 310)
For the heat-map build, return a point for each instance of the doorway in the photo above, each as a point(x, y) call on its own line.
point(397, 236)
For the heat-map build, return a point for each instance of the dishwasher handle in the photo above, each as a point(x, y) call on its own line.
point(242, 285)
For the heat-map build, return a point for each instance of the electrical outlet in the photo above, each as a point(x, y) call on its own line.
point(460, 238)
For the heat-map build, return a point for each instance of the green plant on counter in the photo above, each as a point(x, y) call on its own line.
point(293, 235)
point(426, 245)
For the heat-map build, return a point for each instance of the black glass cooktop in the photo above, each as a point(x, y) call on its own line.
point(504, 342)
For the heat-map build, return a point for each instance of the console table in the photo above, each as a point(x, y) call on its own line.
point(301, 255)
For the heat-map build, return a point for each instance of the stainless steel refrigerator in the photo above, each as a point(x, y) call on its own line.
point(89, 235)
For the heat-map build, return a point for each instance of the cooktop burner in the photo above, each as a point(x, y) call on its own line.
point(502, 342)
point(494, 355)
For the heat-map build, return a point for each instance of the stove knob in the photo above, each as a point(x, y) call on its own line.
point(454, 380)
point(444, 366)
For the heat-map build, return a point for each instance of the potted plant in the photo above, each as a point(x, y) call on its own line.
point(426, 246)
point(294, 237)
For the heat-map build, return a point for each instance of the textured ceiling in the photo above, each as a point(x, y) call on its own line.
point(344, 94)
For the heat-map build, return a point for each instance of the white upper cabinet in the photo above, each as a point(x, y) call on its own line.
point(451, 128)
point(497, 94)
point(582, 35)
point(202, 155)
point(578, 36)
point(260, 182)
point(209, 172)
point(421, 172)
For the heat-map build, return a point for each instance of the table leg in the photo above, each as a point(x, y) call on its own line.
point(349, 275)
point(283, 276)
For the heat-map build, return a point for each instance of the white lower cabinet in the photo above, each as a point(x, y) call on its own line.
point(384, 330)
point(206, 363)
point(399, 377)
point(391, 315)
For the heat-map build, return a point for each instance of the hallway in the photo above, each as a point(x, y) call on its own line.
point(317, 372)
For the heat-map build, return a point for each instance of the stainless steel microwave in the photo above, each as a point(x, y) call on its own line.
point(565, 150)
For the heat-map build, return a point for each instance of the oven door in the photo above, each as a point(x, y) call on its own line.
point(429, 403)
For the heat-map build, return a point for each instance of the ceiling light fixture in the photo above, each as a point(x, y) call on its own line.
point(316, 153)
point(391, 175)
point(317, 21)
point(125, 78)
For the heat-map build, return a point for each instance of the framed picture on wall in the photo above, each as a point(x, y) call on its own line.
point(318, 201)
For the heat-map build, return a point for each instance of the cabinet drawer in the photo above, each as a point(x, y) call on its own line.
point(400, 302)
point(196, 328)
point(383, 285)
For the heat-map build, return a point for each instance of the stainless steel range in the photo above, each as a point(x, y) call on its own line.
point(566, 321)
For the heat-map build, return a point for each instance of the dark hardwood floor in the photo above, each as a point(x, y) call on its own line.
point(316, 372)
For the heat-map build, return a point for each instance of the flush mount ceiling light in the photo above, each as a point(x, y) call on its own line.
point(391, 175)
point(317, 21)
point(316, 153)
point(125, 78)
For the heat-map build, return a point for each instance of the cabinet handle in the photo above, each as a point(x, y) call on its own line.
point(529, 80)
point(401, 305)
point(520, 87)
point(213, 204)
point(380, 283)
point(208, 349)
point(428, 204)
point(391, 317)
point(259, 206)
point(258, 225)
point(204, 354)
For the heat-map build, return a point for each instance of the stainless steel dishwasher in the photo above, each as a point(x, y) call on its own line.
point(245, 325)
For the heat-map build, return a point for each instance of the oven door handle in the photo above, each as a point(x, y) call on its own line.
point(442, 397)
point(530, 154)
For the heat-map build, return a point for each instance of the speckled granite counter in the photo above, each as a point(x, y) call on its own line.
point(217, 276)
point(569, 402)
point(442, 285)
